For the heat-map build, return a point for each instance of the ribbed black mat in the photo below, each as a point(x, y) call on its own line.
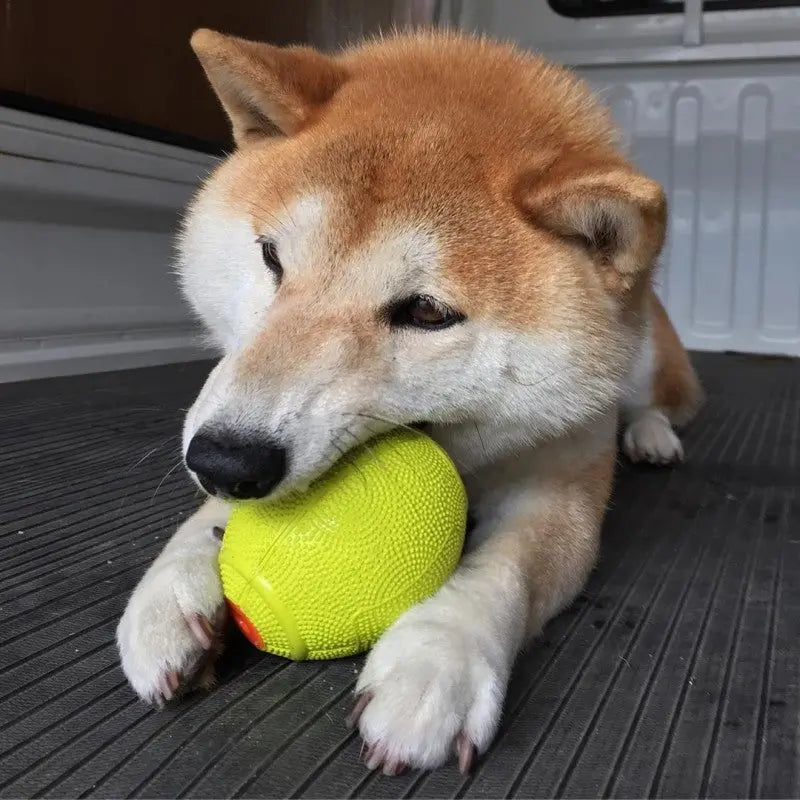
point(675, 674)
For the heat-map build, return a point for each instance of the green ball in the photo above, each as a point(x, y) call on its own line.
point(322, 574)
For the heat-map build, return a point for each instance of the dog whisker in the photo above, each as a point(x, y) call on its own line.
point(274, 218)
point(346, 456)
point(365, 444)
point(541, 380)
point(153, 450)
point(289, 216)
point(386, 421)
point(166, 475)
point(480, 439)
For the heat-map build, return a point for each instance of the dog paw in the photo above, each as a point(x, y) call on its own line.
point(171, 631)
point(426, 693)
point(650, 437)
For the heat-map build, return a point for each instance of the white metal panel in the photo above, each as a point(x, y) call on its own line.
point(87, 219)
point(725, 144)
point(720, 129)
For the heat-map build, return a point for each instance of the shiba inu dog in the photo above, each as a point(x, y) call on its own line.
point(435, 229)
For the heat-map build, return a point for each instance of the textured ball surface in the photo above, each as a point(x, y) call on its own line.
point(322, 574)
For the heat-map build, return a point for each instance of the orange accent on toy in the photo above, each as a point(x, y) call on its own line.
point(245, 626)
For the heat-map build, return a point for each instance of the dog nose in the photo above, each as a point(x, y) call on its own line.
point(233, 467)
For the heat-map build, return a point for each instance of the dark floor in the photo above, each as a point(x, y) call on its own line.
point(677, 673)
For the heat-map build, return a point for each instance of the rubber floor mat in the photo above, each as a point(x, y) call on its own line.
point(675, 674)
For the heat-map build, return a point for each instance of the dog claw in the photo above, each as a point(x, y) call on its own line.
point(375, 757)
point(165, 688)
point(389, 768)
point(202, 629)
point(394, 768)
point(357, 709)
point(466, 754)
point(174, 680)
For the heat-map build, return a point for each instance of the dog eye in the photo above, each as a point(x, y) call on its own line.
point(269, 252)
point(423, 311)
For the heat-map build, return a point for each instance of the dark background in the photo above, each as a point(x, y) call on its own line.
point(128, 65)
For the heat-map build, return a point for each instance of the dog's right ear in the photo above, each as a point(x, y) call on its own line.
point(617, 213)
point(266, 90)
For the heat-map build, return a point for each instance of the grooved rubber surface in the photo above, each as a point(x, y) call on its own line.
point(676, 673)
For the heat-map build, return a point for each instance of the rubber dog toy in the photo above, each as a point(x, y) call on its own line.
point(321, 574)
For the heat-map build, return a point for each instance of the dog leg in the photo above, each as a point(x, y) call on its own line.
point(434, 684)
point(662, 391)
point(169, 634)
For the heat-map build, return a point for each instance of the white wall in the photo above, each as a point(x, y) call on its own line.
point(87, 217)
point(719, 125)
point(87, 220)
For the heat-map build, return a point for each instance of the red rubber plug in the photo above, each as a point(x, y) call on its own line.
point(245, 626)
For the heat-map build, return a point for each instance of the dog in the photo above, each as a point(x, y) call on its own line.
point(429, 228)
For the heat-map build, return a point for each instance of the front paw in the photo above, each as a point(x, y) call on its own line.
point(650, 437)
point(170, 633)
point(428, 691)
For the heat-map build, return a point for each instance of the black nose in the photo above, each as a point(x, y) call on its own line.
point(230, 466)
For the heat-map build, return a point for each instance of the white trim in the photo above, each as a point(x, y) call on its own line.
point(693, 23)
point(772, 33)
point(656, 54)
point(45, 138)
point(40, 154)
point(46, 358)
point(64, 182)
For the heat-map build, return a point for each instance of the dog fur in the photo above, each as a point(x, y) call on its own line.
point(474, 173)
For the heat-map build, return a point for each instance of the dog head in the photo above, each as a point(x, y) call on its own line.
point(427, 228)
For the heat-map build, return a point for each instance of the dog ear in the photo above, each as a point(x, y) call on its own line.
point(617, 213)
point(265, 90)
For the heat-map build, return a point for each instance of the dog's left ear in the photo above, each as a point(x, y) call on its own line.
point(609, 207)
point(266, 90)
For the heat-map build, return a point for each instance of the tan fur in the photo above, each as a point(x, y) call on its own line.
point(560, 562)
point(504, 172)
point(549, 158)
point(676, 389)
point(556, 541)
point(263, 88)
point(556, 156)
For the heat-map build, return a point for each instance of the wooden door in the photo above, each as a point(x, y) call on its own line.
point(126, 64)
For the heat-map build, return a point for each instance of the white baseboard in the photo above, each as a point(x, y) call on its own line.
point(49, 358)
point(87, 221)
